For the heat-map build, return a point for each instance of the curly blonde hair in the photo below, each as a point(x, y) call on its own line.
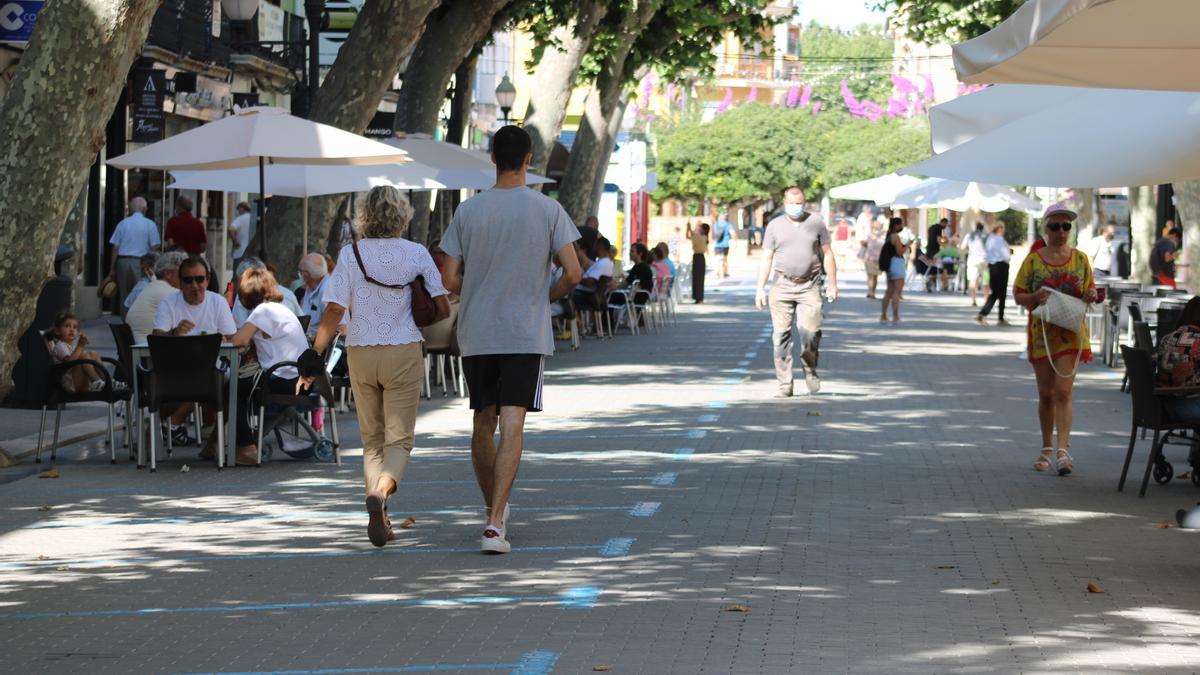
point(385, 214)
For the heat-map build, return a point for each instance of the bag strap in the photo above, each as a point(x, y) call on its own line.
point(1078, 352)
point(368, 277)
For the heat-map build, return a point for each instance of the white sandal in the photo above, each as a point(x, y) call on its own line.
point(1045, 459)
point(1063, 462)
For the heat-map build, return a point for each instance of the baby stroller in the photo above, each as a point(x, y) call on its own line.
point(284, 421)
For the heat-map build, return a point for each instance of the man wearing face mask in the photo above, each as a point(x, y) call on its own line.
point(798, 253)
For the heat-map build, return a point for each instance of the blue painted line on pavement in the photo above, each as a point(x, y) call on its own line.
point(683, 453)
point(644, 509)
point(751, 354)
point(536, 663)
point(717, 405)
point(697, 433)
point(390, 551)
point(741, 371)
point(665, 478)
point(708, 419)
point(617, 547)
point(294, 515)
point(733, 380)
point(580, 596)
point(432, 668)
point(744, 363)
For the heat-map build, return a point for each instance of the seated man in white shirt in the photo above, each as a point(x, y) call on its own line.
point(143, 310)
point(315, 272)
point(585, 293)
point(192, 310)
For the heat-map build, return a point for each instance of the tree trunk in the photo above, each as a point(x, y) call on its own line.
point(450, 34)
point(1188, 207)
point(577, 188)
point(383, 35)
point(1142, 213)
point(555, 75)
point(53, 119)
point(604, 156)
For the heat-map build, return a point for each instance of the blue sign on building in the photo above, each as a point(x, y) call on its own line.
point(18, 19)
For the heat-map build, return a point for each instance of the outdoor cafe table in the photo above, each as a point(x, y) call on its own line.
point(141, 353)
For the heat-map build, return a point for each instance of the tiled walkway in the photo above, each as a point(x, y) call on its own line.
point(891, 524)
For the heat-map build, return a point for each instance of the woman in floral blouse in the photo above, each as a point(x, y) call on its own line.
point(1066, 269)
point(1179, 362)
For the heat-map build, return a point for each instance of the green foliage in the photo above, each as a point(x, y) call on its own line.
point(857, 149)
point(861, 56)
point(1016, 226)
point(938, 21)
point(755, 151)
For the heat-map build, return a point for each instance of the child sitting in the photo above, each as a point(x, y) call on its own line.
point(66, 343)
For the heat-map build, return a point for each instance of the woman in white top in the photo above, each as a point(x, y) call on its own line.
point(383, 346)
point(277, 336)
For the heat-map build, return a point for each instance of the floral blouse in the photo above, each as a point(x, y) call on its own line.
point(1074, 278)
point(1178, 356)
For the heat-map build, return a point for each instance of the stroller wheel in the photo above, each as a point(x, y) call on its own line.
point(1196, 477)
point(323, 450)
point(1163, 472)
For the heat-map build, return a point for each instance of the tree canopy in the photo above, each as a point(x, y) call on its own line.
point(755, 151)
point(935, 21)
point(861, 56)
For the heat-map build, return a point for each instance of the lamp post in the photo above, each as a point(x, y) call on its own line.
point(314, 11)
point(506, 94)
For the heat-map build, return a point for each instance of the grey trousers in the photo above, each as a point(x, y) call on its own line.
point(796, 311)
point(128, 271)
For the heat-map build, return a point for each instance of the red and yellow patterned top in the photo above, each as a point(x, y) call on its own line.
point(1179, 358)
point(1074, 278)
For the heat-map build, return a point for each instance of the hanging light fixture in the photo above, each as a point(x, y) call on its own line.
point(506, 95)
point(239, 10)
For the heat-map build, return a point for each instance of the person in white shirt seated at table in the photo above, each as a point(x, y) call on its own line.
point(143, 310)
point(585, 293)
point(277, 336)
point(192, 310)
point(287, 297)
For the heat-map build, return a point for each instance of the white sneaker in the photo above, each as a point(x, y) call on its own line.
point(493, 541)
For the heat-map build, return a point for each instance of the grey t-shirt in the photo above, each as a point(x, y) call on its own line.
point(796, 246)
point(506, 239)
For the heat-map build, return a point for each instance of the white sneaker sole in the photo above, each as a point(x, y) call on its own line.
point(494, 545)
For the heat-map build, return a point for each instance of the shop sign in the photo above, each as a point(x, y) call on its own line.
point(149, 86)
point(18, 19)
point(380, 125)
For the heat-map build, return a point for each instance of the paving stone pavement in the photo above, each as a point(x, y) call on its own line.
point(891, 524)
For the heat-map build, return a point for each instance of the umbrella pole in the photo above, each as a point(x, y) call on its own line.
point(262, 205)
point(304, 248)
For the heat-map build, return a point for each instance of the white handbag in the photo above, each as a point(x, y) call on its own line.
point(1064, 311)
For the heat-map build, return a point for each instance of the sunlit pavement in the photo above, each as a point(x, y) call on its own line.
point(891, 524)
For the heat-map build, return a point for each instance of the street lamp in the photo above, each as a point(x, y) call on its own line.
point(506, 94)
point(239, 10)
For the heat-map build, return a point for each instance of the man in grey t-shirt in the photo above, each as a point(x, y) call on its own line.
point(501, 244)
point(798, 253)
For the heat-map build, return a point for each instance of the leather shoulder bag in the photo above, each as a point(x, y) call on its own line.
point(424, 311)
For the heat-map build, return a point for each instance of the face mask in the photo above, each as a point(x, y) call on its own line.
point(794, 210)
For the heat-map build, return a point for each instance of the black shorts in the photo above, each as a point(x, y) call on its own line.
point(505, 380)
point(723, 252)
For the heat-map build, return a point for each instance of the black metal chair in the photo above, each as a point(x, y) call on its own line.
point(1148, 413)
point(58, 396)
point(319, 396)
point(185, 370)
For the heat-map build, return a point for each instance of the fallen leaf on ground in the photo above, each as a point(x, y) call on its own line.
point(63, 568)
point(52, 473)
point(407, 523)
point(601, 668)
point(43, 557)
point(1184, 476)
point(184, 469)
point(43, 508)
point(814, 413)
point(995, 582)
point(1093, 588)
point(737, 608)
point(945, 567)
point(1162, 526)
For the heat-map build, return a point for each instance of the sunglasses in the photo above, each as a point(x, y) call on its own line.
point(1058, 227)
point(193, 280)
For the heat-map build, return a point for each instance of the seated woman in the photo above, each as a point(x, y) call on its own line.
point(277, 336)
point(1179, 362)
point(641, 272)
point(662, 271)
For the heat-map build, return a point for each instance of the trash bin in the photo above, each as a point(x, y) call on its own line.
point(33, 366)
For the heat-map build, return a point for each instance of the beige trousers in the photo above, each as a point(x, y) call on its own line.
point(795, 308)
point(386, 380)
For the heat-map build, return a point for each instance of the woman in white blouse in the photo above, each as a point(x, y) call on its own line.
point(277, 336)
point(383, 346)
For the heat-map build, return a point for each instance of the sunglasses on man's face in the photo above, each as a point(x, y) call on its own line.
point(193, 280)
point(1057, 227)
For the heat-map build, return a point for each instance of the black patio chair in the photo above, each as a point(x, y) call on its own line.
point(185, 370)
point(1148, 413)
point(58, 396)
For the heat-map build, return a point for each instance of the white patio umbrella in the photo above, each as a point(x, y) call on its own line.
point(454, 166)
point(881, 189)
point(1128, 44)
point(256, 137)
point(962, 196)
point(1037, 135)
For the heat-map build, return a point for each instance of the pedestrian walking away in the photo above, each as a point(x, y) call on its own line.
point(891, 258)
point(998, 257)
point(1055, 352)
point(371, 281)
point(722, 238)
point(501, 244)
point(134, 237)
point(184, 230)
point(699, 239)
point(798, 253)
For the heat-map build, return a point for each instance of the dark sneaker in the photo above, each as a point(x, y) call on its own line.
point(180, 438)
